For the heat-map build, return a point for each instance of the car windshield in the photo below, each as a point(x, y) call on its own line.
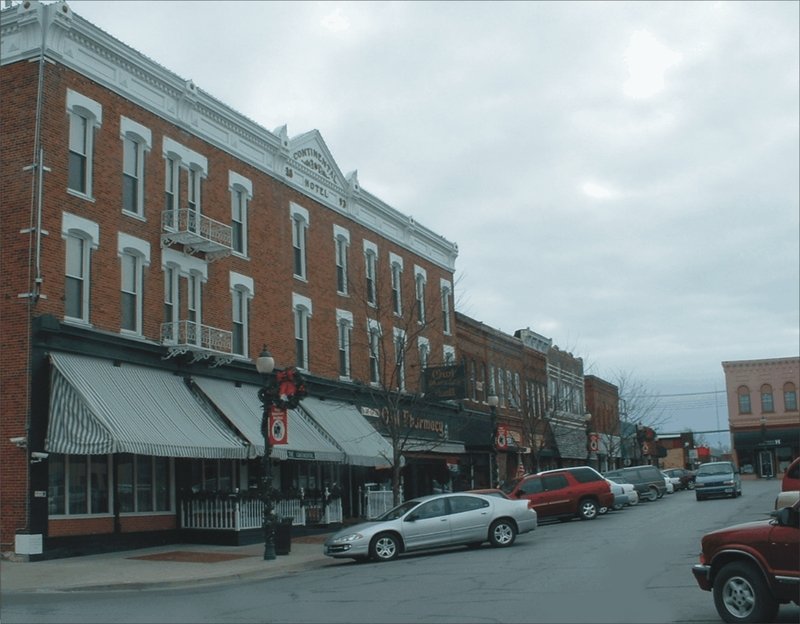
point(714, 470)
point(399, 511)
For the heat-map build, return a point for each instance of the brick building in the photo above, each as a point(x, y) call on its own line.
point(763, 413)
point(152, 240)
point(603, 428)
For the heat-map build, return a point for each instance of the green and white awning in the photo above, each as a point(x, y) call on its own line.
point(97, 407)
point(241, 405)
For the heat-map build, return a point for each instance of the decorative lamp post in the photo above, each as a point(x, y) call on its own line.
point(265, 364)
point(494, 470)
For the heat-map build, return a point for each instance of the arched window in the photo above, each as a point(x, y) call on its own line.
point(767, 402)
point(789, 397)
point(744, 400)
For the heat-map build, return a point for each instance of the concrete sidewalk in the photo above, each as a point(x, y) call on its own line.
point(173, 565)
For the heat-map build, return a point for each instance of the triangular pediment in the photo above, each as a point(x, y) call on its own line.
point(309, 151)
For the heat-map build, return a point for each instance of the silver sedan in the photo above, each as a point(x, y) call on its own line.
point(435, 521)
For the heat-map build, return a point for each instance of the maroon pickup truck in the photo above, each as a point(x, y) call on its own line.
point(752, 568)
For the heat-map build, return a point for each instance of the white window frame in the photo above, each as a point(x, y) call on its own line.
point(371, 272)
point(303, 311)
point(420, 282)
point(142, 139)
point(449, 354)
point(424, 349)
point(241, 190)
point(400, 347)
point(87, 233)
point(88, 487)
point(344, 333)
point(374, 348)
point(79, 109)
point(242, 292)
point(196, 166)
point(300, 223)
point(396, 264)
point(446, 289)
point(139, 250)
point(341, 239)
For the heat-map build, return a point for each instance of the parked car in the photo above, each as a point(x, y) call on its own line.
point(791, 478)
point(435, 521)
point(629, 489)
point(686, 477)
point(668, 484)
point(717, 479)
point(647, 480)
point(565, 493)
point(621, 498)
point(675, 482)
point(752, 568)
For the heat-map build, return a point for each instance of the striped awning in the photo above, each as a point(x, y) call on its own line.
point(361, 442)
point(241, 405)
point(98, 408)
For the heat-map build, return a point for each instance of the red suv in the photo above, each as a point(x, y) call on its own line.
point(564, 493)
point(752, 568)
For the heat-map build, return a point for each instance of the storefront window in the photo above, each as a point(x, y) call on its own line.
point(78, 485)
point(56, 488)
point(99, 483)
point(161, 487)
point(144, 483)
point(125, 483)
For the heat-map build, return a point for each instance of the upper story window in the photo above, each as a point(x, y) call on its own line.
point(370, 272)
point(242, 292)
point(374, 332)
point(420, 280)
point(134, 255)
point(85, 116)
point(400, 357)
point(170, 294)
point(744, 400)
point(767, 401)
point(300, 223)
point(182, 320)
point(446, 290)
point(302, 314)
point(424, 346)
point(789, 397)
point(177, 159)
point(80, 236)
point(172, 189)
point(344, 328)
point(136, 142)
point(501, 386)
point(449, 353)
point(341, 240)
point(241, 193)
point(396, 263)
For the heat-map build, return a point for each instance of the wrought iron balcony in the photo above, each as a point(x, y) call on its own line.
point(196, 232)
point(200, 340)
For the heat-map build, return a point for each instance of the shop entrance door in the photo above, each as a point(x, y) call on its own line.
point(765, 459)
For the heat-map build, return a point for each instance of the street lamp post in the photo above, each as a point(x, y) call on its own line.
point(265, 364)
point(494, 470)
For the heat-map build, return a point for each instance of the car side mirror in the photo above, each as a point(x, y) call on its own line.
point(788, 517)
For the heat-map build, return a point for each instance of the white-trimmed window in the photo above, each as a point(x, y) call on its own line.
point(176, 265)
point(177, 157)
point(241, 193)
point(396, 264)
point(79, 485)
point(424, 348)
point(136, 142)
point(302, 314)
point(134, 255)
point(170, 296)
point(370, 272)
point(501, 386)
point(241, 293)
point(400, 357)
point(420, 280)
point(374, 334)
point(144, 483)
point(81, 236)
point(300, 224)
point(447, 290)
point(341, 239)
point(449, 353)
point(344, 329)
point(85, 116)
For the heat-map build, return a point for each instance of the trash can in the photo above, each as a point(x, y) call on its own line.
point(283, 536)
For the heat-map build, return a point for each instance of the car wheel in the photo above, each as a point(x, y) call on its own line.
point(502, 533)
point(690, 485)
point(618, 507)
point(652, 494)
point(742, 595)
point(384, 547)
point(603, 511)
point(587, 509)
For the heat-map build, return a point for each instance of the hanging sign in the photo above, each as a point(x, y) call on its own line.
point(501, 443)
point(278, 426)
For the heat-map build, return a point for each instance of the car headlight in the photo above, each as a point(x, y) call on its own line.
point(728, 483)
point(352, 537)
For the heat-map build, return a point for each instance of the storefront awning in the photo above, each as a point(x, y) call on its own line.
point(98, 408)
point(360, 441)
point(243, 408)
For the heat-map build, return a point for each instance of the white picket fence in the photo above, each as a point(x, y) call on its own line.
point(377, 502)
point(235, 514)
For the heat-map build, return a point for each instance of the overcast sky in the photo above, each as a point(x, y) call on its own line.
point(620, 177)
